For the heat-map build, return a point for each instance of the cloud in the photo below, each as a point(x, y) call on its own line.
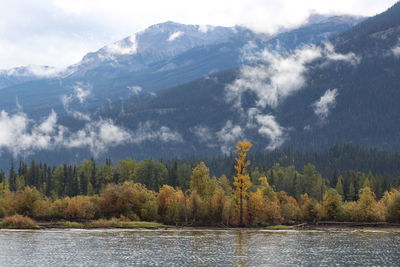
point(80, 94)
point(204, 134)
point(206, 28)
point(98, 136)
point(19, 135)
point(175, 36)
point(330, 54)
point(268, 127)
point(272, 78)
point(396, 50)
point(36, 71)
point(148, 132)
point(101, 135)
point(124, 47)
point(323, 106)
point(228, 136)
point(278, 76)
point(135, 89)
point(24, 137)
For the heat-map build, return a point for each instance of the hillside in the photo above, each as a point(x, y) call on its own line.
point(359, 87)
point(159, 57)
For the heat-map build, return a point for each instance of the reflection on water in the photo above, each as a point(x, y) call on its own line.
point(198, 248)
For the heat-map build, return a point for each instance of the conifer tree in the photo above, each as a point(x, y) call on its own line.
point(339, 187)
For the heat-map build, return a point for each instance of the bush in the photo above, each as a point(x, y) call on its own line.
point(130, 200)
point(80, 207)
point(27, 201)
point(19, 222)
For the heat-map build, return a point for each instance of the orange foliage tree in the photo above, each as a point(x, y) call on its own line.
point(242, 179)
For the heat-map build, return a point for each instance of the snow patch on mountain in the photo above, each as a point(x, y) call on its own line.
point(175, 35)
point(33, 71)
point(124, 47)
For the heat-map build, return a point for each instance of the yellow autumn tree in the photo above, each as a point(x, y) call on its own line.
point(242, 179)
point(200, 180)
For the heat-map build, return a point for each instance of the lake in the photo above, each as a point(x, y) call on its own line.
point(198, 247)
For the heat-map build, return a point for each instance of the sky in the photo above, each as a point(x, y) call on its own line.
point(60, 32)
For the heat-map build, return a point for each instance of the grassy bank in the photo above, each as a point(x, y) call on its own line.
point(113, 223)
point(18, 222)
point(281, 227)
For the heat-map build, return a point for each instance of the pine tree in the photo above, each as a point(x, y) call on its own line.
point(12, 177)
point(351, 195)
point(339, 186)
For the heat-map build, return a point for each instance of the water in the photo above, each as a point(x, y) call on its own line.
point(199, 248)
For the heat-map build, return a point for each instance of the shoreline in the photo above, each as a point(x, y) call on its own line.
point(88, 225)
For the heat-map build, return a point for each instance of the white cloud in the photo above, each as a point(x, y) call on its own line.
point(22, 136)
point(125, 47)
point(60, 32)
point(80, 93)
point(175, 36)
point(148, 132)
point(330, 54)
point(34, 70)
point(274, 79)
point(203, 133)
point(101, 135)
point(228, 136)
point(323, 106)
point(135, 89)
point(279, 76)
point(205, 28)
point(19, 135)
point(267, 126)
point(396, 50)
point(98, 136)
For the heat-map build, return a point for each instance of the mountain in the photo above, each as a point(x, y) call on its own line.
point(350, 93)
point(318, 28)
point(172, 105)
point(161, 56)
point(155, 44)
point(24, 74)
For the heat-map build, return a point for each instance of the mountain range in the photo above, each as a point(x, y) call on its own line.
point(176, 90)
point(161, 56)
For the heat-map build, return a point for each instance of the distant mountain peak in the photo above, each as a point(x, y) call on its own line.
point(159, 42)
point(317, 18)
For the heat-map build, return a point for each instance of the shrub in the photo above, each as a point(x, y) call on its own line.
point(26, 201)
point(80, 207)
point(19, 222)
point(129, 199)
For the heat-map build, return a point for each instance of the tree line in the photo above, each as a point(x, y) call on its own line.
point(184, 193)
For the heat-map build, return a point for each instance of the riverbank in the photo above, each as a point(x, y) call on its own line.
point(118, 224)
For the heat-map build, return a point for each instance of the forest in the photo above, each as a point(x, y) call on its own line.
point(187, 193)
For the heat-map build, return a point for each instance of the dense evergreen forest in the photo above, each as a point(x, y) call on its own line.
point(187, 193)
point(287, 170)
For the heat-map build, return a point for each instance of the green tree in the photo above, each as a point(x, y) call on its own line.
point(151, 173)
point(331, 205)
point(124, 170)
point(339, 186)
point(351, 195)
point(200, 180)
